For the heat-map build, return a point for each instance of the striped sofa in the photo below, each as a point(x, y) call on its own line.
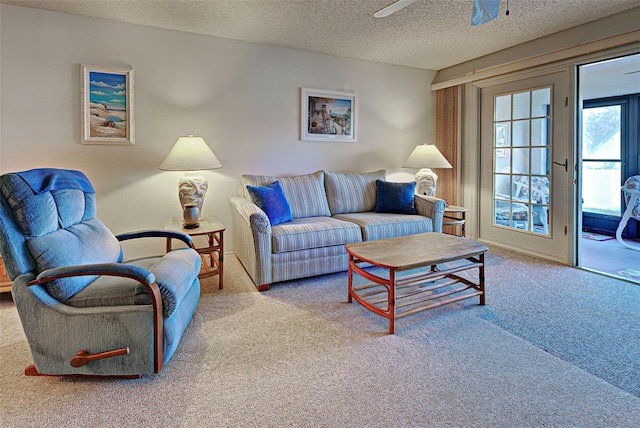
point(329, 210)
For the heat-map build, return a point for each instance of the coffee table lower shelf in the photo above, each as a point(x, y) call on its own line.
point(399, 296)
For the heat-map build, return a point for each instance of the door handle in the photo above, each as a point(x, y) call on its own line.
point(565, 164)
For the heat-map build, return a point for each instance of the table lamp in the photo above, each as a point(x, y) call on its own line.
point(191, 154)
point(426, 156)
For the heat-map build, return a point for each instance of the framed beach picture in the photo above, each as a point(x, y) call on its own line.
point(328, 116)
point(107, 105)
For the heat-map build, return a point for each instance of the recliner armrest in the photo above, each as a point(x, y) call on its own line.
point(156, 234)
point(111, 269)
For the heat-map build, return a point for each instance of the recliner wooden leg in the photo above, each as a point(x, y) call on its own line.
point(31, 371)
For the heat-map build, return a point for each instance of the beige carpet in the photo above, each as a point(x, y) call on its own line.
point(299, 355)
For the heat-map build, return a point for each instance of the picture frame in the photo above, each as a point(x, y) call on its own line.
point(328, 115)
point(107, 105)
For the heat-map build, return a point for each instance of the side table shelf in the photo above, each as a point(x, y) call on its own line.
point(455, 216)
point(213, 230)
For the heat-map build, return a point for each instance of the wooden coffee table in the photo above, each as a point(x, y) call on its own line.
point(397, 296)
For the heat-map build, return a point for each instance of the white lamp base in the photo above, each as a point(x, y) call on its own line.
point(191, 190)
point(426, 182)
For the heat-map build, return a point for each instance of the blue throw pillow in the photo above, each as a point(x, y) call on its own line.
point(271, 200)
point(395, 198)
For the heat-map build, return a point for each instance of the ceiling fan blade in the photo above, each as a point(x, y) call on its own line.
point(393, 8)
point(485, 11)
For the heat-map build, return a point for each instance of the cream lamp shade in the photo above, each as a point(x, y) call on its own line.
point(191, 154)
point(426, 156)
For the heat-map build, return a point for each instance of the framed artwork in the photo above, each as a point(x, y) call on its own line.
point(328, 116)
point(107, 106)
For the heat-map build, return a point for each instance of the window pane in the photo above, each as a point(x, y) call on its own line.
point(601, 133)
point(540, 214)
point(598, 178)
point(540, 132)
point(520, 215)
point(541, 102)
point(521, 133)
point(502, 186)
point(521, 188)
point(502, 108)
point(521, 105)
point(520, 161)
point(502, 136)
point(540, 189)
point(540, 161)
point(502, 160)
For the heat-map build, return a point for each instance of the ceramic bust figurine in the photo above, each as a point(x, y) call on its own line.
point(426, 182)
point(191, 190)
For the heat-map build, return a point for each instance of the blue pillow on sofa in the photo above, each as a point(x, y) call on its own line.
point(395, 198)
point(271, 200)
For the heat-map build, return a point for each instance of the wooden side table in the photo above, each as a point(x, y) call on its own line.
point(211, 228)
point(455, 216)
point(5, 282)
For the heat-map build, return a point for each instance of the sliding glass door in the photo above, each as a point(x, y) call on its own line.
point(609, 156)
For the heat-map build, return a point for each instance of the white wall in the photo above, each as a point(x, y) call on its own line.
point(243, 98)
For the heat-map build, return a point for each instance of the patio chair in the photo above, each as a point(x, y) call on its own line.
point(631, 190)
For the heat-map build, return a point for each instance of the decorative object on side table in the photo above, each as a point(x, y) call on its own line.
point(213, 230)
point(191, 154)
point(426, 156)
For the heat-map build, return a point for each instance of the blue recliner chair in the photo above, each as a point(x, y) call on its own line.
point(83, 310)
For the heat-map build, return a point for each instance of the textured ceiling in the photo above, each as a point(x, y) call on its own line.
point(430, 34)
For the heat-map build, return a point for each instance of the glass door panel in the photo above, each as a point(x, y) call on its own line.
point(601, 167)
point(524, 197)
point(521, 159)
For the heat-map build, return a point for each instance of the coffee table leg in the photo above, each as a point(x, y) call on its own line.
point(481, 275)
point(392, 301)
point(350, 281)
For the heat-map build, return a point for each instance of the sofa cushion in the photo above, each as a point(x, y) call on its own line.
point(395, 197)
point(271, 200)
point(305, 193)
point(305, 263)
point(313, 232)
point(382, 225)
point(352, 192)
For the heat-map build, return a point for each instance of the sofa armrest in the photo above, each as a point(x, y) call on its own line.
point(252, 239)
point(431, 207)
